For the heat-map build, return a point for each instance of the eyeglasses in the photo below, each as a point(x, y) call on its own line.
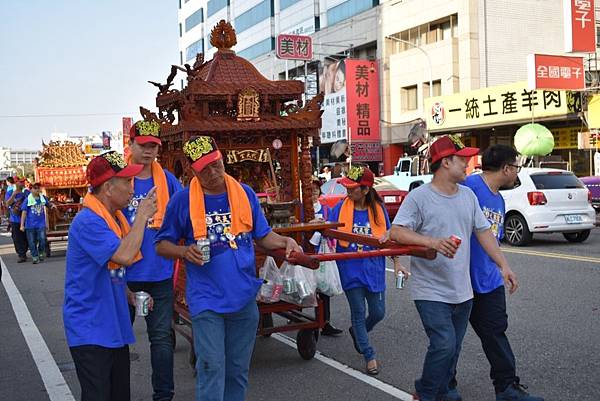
point(516, 166)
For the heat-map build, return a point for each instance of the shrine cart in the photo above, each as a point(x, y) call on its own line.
point(61, 172)
point(264, 131)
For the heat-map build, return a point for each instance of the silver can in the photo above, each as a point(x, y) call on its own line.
point(203, 245)
point(303, 289)
point(289, 286)
point(400, 280)
point(142, 303)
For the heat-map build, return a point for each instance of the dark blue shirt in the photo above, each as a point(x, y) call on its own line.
point(228, 282)
point(485, 274)
point(152, 267)
point(16, 205)
point(367, 272)
point(95, 311)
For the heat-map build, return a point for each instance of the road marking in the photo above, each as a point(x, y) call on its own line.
point(589, 259)
point(55, 383)
point(378, 384)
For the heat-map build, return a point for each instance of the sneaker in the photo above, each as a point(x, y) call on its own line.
point(451, 395)
point(36, 261)
point(354, 340)
point(22, 259)
point(516, 392)
point(330, 330)
point(42, 257)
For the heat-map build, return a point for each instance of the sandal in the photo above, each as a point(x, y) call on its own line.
point(372, 371)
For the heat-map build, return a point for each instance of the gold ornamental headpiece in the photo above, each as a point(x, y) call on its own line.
point(145, 131)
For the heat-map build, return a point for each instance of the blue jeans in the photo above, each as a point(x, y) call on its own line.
point(158, 324)
point(361, 324)
point(445, 325)
point(224, 343)
point(36, 237)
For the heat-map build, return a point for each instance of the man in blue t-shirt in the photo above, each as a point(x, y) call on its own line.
point(220, 292)
point(153, 274)
point(488, 315)
point(14, 200)
point(33, 222)
point(95, 311)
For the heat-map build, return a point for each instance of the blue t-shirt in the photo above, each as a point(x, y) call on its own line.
point(95, 311)
point(228, 282)
point(152, 267)
point(485, 274)
point(36, 214)
point(367, 272)
point(17, 202)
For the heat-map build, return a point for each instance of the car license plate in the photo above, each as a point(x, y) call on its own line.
point(389, 199)
point(573, 219)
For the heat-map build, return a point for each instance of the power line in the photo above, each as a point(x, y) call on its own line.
point(64, 115)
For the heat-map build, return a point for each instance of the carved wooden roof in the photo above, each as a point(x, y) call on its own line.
point(62, 154)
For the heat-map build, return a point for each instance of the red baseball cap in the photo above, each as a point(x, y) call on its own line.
point(108, 165)
point(145, 132)
point(201, 151)
point(449, 145)
point(358, 176)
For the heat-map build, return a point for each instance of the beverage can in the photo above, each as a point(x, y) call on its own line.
point(400, 280)
point(303, 289)
point(203, 245)
point(289, 286)
point(456, 239)
point(142, 301)
point(315, 239)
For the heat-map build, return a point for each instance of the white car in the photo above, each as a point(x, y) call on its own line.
point(547, 200)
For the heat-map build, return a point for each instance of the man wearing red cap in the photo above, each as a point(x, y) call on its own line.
point(153, 273)
point(95, 310)
point(442, 215)
point(221, 291)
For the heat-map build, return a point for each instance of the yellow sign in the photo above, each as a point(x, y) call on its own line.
point(497, 105)
point(593, 117)
point(565, 138)
point(236, 156)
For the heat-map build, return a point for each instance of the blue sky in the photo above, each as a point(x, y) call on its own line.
point(80, 57)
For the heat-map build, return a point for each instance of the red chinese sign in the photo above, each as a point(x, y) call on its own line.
point(127, 124)
point(367, 152)
point(294, 47)
point(362, 96)
point(555, 72)
point(580, 26)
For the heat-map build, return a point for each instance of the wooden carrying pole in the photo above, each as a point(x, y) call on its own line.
point(412, 250)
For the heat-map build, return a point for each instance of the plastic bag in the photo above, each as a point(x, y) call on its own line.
point(270, 290)
point(299, 285)
point(328, 276)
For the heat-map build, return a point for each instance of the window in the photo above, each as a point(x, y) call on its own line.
point(258, 49)
point(347, 9)
point(193, 49)
point(437, 88)
point(256, 14)
point(431, 32)
point(556, 181)
point(286, 3)
point(180, 30)
point(194, 19)
point(180, 58)
point(215, 5)
point(409, 98)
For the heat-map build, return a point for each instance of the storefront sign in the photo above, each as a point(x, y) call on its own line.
point(362, 95)
point(593, 115)
point(580, 26)
point(294, 47)
point(366, 152)
point(332, 82)
point(588, 140)
point(546, 71)
point(565, 138)
point(505, 104)
point(237, 156)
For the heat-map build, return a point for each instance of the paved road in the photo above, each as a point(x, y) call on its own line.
point(554, 327)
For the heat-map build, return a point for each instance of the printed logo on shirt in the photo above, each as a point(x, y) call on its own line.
point(218, 227)
point(363, 230)
point(37, 209)
point(495, 218)
point(132, 208)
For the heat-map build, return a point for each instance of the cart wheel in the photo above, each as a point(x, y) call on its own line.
point(306, 341)
point(267, 322)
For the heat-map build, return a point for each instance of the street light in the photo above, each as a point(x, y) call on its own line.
point(424, 52)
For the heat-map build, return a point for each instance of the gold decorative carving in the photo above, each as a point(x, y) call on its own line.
point(237, 156)
point(223, 36)
point(248, 105)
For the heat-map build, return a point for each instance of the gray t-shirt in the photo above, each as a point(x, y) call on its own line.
point(433, 214)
